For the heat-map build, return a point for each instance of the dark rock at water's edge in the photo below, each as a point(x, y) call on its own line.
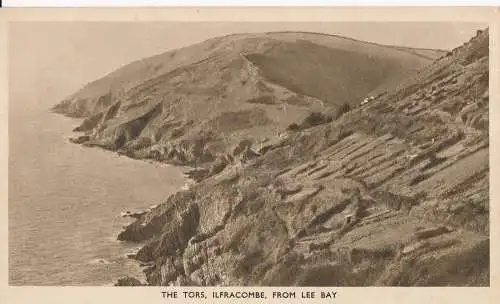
point(135, 214)
point(128, 281)
point(80, 139)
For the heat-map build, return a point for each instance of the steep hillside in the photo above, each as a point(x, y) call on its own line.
point(195, 106)
point(393, 192)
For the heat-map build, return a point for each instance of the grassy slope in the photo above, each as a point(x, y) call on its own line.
point(332, 75)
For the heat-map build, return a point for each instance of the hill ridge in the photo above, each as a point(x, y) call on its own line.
point(359, 40)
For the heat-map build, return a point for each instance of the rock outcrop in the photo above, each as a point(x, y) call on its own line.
point(128, 281)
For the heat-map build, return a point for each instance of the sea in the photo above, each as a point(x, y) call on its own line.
point(65, 202)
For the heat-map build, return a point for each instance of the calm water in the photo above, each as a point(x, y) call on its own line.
point(65, 202)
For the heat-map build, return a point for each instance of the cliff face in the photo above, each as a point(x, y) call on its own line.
point(195, 105)
point(393, 191)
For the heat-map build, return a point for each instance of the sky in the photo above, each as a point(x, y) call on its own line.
point(50, 60)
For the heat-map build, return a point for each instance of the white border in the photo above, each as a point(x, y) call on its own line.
point(190, 3)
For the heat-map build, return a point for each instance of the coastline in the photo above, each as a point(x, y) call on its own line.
point(134, 279)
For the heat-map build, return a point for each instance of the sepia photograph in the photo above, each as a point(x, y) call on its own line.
point(182, 153)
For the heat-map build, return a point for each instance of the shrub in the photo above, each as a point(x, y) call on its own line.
point(314, 119)
point(293, 127)
point(343, 109)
